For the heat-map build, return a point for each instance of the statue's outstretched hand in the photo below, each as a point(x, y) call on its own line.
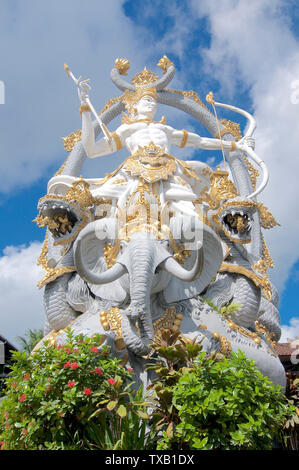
point(83, 89)
point(246, 142)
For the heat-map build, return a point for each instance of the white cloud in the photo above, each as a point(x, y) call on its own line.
point(290, 332)
point(41, 105)
point(21, 305)
point(253, 47)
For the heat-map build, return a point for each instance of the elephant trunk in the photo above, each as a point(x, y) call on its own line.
point(141, 268)
point(59, 313)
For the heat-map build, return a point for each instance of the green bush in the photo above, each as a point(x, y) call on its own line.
point(212, 402)
point(71, 397)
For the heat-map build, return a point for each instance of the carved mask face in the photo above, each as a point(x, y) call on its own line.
point(147, 106)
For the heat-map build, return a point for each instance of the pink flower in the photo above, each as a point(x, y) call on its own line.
point(99, 371)
point(111, 381)
point(94, 349)
point(67, 364)
point(22, 398)
point(87, 391)
point(67, 350)
point(59, 346)
point(71, 383)
point(74, 365)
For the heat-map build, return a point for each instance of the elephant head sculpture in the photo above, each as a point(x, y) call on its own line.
point(143, 267)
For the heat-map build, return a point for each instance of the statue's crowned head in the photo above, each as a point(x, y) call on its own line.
point(132, 98)
point(144, 86)
point(143, 82)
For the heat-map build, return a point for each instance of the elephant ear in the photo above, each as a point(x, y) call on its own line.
point(212, 259)
point(92, 250)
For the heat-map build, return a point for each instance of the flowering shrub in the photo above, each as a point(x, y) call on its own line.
point(52, 395)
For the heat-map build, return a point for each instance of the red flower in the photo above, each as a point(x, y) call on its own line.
point(67, 350)
point(59, 346)
point(22, 398)
point(87, 391)
point(111, 381)
point(71, 383)
point(14, 384)
point(74, 365)
point(99, 371)
point(67, 364)
point(94, 349)
point(26, 377)
point(130, 369)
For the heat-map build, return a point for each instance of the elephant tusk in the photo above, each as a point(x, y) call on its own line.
point(101, 278)
point(175, 269)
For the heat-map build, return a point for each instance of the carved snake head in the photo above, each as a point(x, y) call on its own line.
point(234, 218)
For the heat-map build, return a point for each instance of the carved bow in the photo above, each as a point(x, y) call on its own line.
point(250, 129)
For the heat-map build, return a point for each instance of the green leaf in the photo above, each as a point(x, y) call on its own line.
point(122, 411)
point(111, 405)
point(142, 414)
point(169, 430)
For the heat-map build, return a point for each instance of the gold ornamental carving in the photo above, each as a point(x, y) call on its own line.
point(144, 78)
point(151, 163)
point(164, 63)
point(70, 141)
point(259, 281)
point(122, 65)
point(111, 320)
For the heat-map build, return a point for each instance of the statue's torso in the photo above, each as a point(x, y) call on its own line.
point(141, 134)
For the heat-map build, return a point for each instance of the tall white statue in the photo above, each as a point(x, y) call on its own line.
point(139, 250)
point(149, 145)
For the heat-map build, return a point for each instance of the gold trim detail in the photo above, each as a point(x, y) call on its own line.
point(164, 63)
point(262, 282)
point(225, 345)
point(117, 140)
point(70, 141)
point(233, 146)
point(221, 188)
point(151, 163)
point(192, 95)
point(144, 78)
point(267, 219)
point(266, 261)
point(112, 321)
point(122, 65)
point(84, 108)
point(230, 127)
point(184, 138)
point(269, 337)
point(249, 334)
point(253, 172)
point(126, 120)
point(110, 253)
point(54, 273)
point(110, 103)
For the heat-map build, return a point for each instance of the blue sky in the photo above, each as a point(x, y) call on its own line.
point(247, 53)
